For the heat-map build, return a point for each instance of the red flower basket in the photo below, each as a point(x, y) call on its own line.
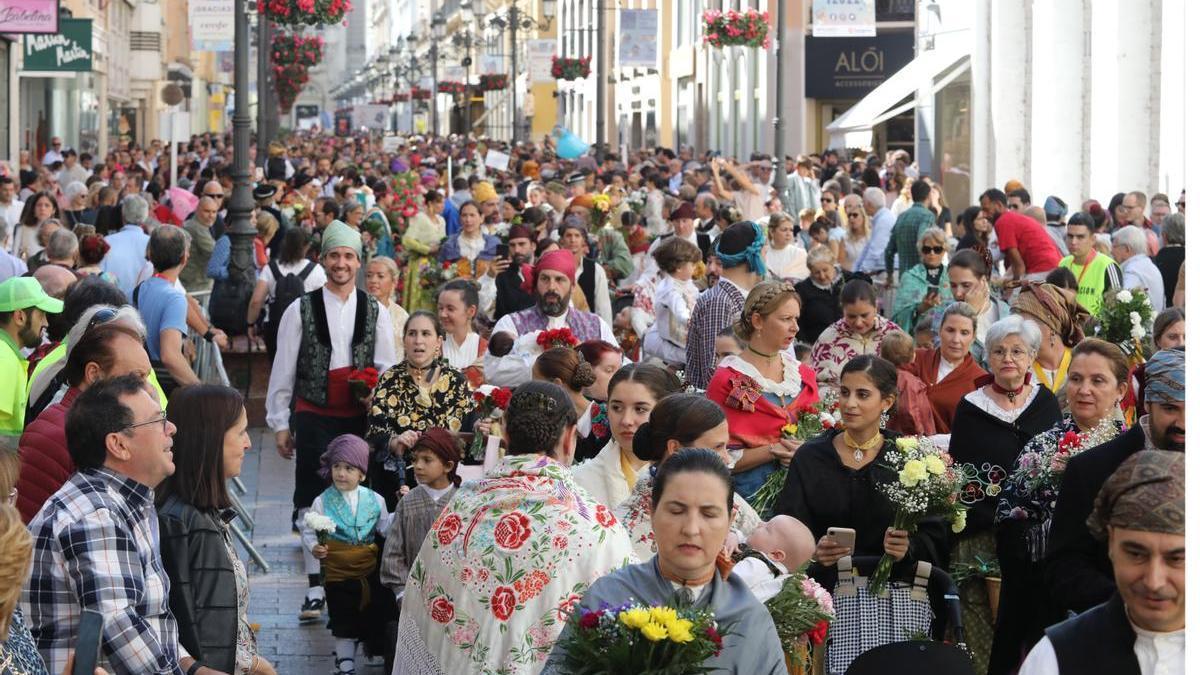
point(289, 82)
point(571, 69)
point(493, 82)
point(419, 94)
point(289, 49)
point(737, 29)
point(448, 87)
point(400, 97)
point(304, 12)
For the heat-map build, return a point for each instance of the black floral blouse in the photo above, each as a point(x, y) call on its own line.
point(400, 405)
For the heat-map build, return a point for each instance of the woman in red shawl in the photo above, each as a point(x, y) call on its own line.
point(764, 388)
point(949, 370)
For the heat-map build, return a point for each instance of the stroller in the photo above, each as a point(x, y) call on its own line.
point(921, 604)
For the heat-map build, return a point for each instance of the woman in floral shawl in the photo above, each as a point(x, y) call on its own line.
point(505, 564)
point(678, 421)
point(1095, 384)
point(859, 332)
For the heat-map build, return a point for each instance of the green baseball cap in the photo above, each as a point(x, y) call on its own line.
point(25, 292)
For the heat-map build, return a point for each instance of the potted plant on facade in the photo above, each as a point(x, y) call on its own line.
point(493, 82)
point(750, 28)
point(448, 87)
point(571, 69)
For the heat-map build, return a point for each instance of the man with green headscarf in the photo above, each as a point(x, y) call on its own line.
point(338, 329)
point(1139, 516)
point(1079, 575)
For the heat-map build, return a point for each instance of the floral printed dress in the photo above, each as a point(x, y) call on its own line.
point(838, 344)
point(501, 570)
point(635, 512)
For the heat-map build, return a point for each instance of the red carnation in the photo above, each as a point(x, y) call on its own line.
point(479, 397)
point(590, 620)
point(503, 602)
point(715, 637)
point(818, 633)
point(500, 397)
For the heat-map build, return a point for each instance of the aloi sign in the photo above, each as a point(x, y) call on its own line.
point(28, 16)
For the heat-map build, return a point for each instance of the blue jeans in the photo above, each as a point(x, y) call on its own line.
point(746, 483)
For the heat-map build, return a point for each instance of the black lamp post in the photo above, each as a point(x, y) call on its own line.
point(438, 26)
point(515, 19)
point(241, 204)
point(779, 164)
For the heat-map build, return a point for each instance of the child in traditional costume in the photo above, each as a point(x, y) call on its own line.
point(359, 606)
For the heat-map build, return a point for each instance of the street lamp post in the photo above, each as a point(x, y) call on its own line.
point(779, 164)
point(241, 233)
point(516, 19)
point(438, 24)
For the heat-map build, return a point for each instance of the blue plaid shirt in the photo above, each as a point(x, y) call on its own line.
point(96, 547)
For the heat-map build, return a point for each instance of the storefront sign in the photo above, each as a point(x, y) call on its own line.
point(370, 116)
point(843, 18)
point(29, 16)
point(69, 50)
point(211, 25)
point(638, 46)
point(541, 55)
point(852, 67)
point(491, 64)
point(306, 111)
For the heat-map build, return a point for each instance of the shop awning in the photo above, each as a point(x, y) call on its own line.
point(897, 94)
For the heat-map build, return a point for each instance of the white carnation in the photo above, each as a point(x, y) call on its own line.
point(319, 523)
point(1135, 318)
point(1137, 332)
point(1124, 296)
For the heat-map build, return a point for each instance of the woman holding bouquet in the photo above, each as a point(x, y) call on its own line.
point(424, 234)
point(834, 479)
point(421, 392)
point(691, 514)
point(472, 250)
point(505, 563)
point(1096, 383)
point(677, 421)
point(991, 426)
point(764, 388)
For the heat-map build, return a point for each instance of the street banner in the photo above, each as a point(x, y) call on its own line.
point(496, 160)
point(69, 50)
point(638, 46)
point(370, 116)
point(541, 55)
point(29, 16)
point(392, 143)
point(843, 18)
point(211, 24)
point(454, 74)
point(491, 64)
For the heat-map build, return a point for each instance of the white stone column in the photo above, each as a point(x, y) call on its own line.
point(982, 148)
point(1171, 150)
point(1136, 95)
point(1102, 101)
point(1010, 90)
point(1058, 114)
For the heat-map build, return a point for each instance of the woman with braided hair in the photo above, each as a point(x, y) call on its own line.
point(504, 565)
point(763, 389)
point(566, 368)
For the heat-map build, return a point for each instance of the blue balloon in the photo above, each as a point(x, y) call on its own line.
point(568, 145)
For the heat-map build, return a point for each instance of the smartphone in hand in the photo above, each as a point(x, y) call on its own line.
point(843, 536)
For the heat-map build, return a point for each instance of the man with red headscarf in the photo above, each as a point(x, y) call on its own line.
point(553, 280)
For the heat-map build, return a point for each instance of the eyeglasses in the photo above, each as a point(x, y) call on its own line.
point(219, 195)
point(1002, 354)
point(852, 214)
point(103, 316)
point(161, 419)
point(928, 250)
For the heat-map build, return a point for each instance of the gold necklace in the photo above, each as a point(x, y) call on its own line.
point(857, 447)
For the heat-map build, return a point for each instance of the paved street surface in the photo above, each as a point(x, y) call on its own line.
point(275, 598)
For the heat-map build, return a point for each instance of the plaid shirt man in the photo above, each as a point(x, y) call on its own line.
point(905, 235)
point(96, 547)
point(716, 309)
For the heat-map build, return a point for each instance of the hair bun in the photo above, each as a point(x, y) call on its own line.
point(583, 375)
point(644, 446)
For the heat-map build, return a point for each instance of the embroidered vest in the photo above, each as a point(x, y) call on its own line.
point(585, 325)
point(316, 350)
point(356, 527)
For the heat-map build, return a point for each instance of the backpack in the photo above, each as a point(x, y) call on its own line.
point(287, 289)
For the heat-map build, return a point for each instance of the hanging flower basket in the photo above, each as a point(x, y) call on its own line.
point(304, 12)
point(288, 49)
point(571, 69)
point(493, 82)
point(400, 97)
point(737, 29)
point(289, 82)
point(448, 87)
point(419, 94)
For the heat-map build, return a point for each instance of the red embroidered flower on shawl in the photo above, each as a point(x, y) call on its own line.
point(504, 601)
point(512, 530)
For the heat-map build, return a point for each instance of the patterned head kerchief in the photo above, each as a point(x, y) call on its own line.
point(752, 240)
point(1164, 377)
point(1145, 493)
point(1056, 308)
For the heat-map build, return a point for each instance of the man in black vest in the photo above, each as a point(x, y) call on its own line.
point(591, 287)
point(338, 329)
point(1139, 515)
point(1079, 574)
point(511, 272)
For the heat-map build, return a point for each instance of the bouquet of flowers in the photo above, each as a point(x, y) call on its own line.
point(601, 206)
point(635, 638)
point(636, 201)
point(493, 82)
point(304, 12)
point(434, 274)
point(802, 612)
point(812, 421)
point(1125, 320)
point(362, 382)
point(491, 405)
point(571, 69)
point(737, 29)
point(927, 484)
point(321, 524)
point(557, 337)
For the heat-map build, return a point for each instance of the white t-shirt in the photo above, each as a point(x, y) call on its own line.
point(315, 279)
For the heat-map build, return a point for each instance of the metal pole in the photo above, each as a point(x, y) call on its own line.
point(241, 233)
point(412, 100)
point(260, 159)
point(778, 162)
point(600, 81)
point(512, 79)
point(433, 94)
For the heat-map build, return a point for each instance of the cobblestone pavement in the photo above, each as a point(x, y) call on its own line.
point(275, 597)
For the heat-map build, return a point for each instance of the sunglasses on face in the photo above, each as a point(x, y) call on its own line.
point(826, 200)
point(927, 250)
